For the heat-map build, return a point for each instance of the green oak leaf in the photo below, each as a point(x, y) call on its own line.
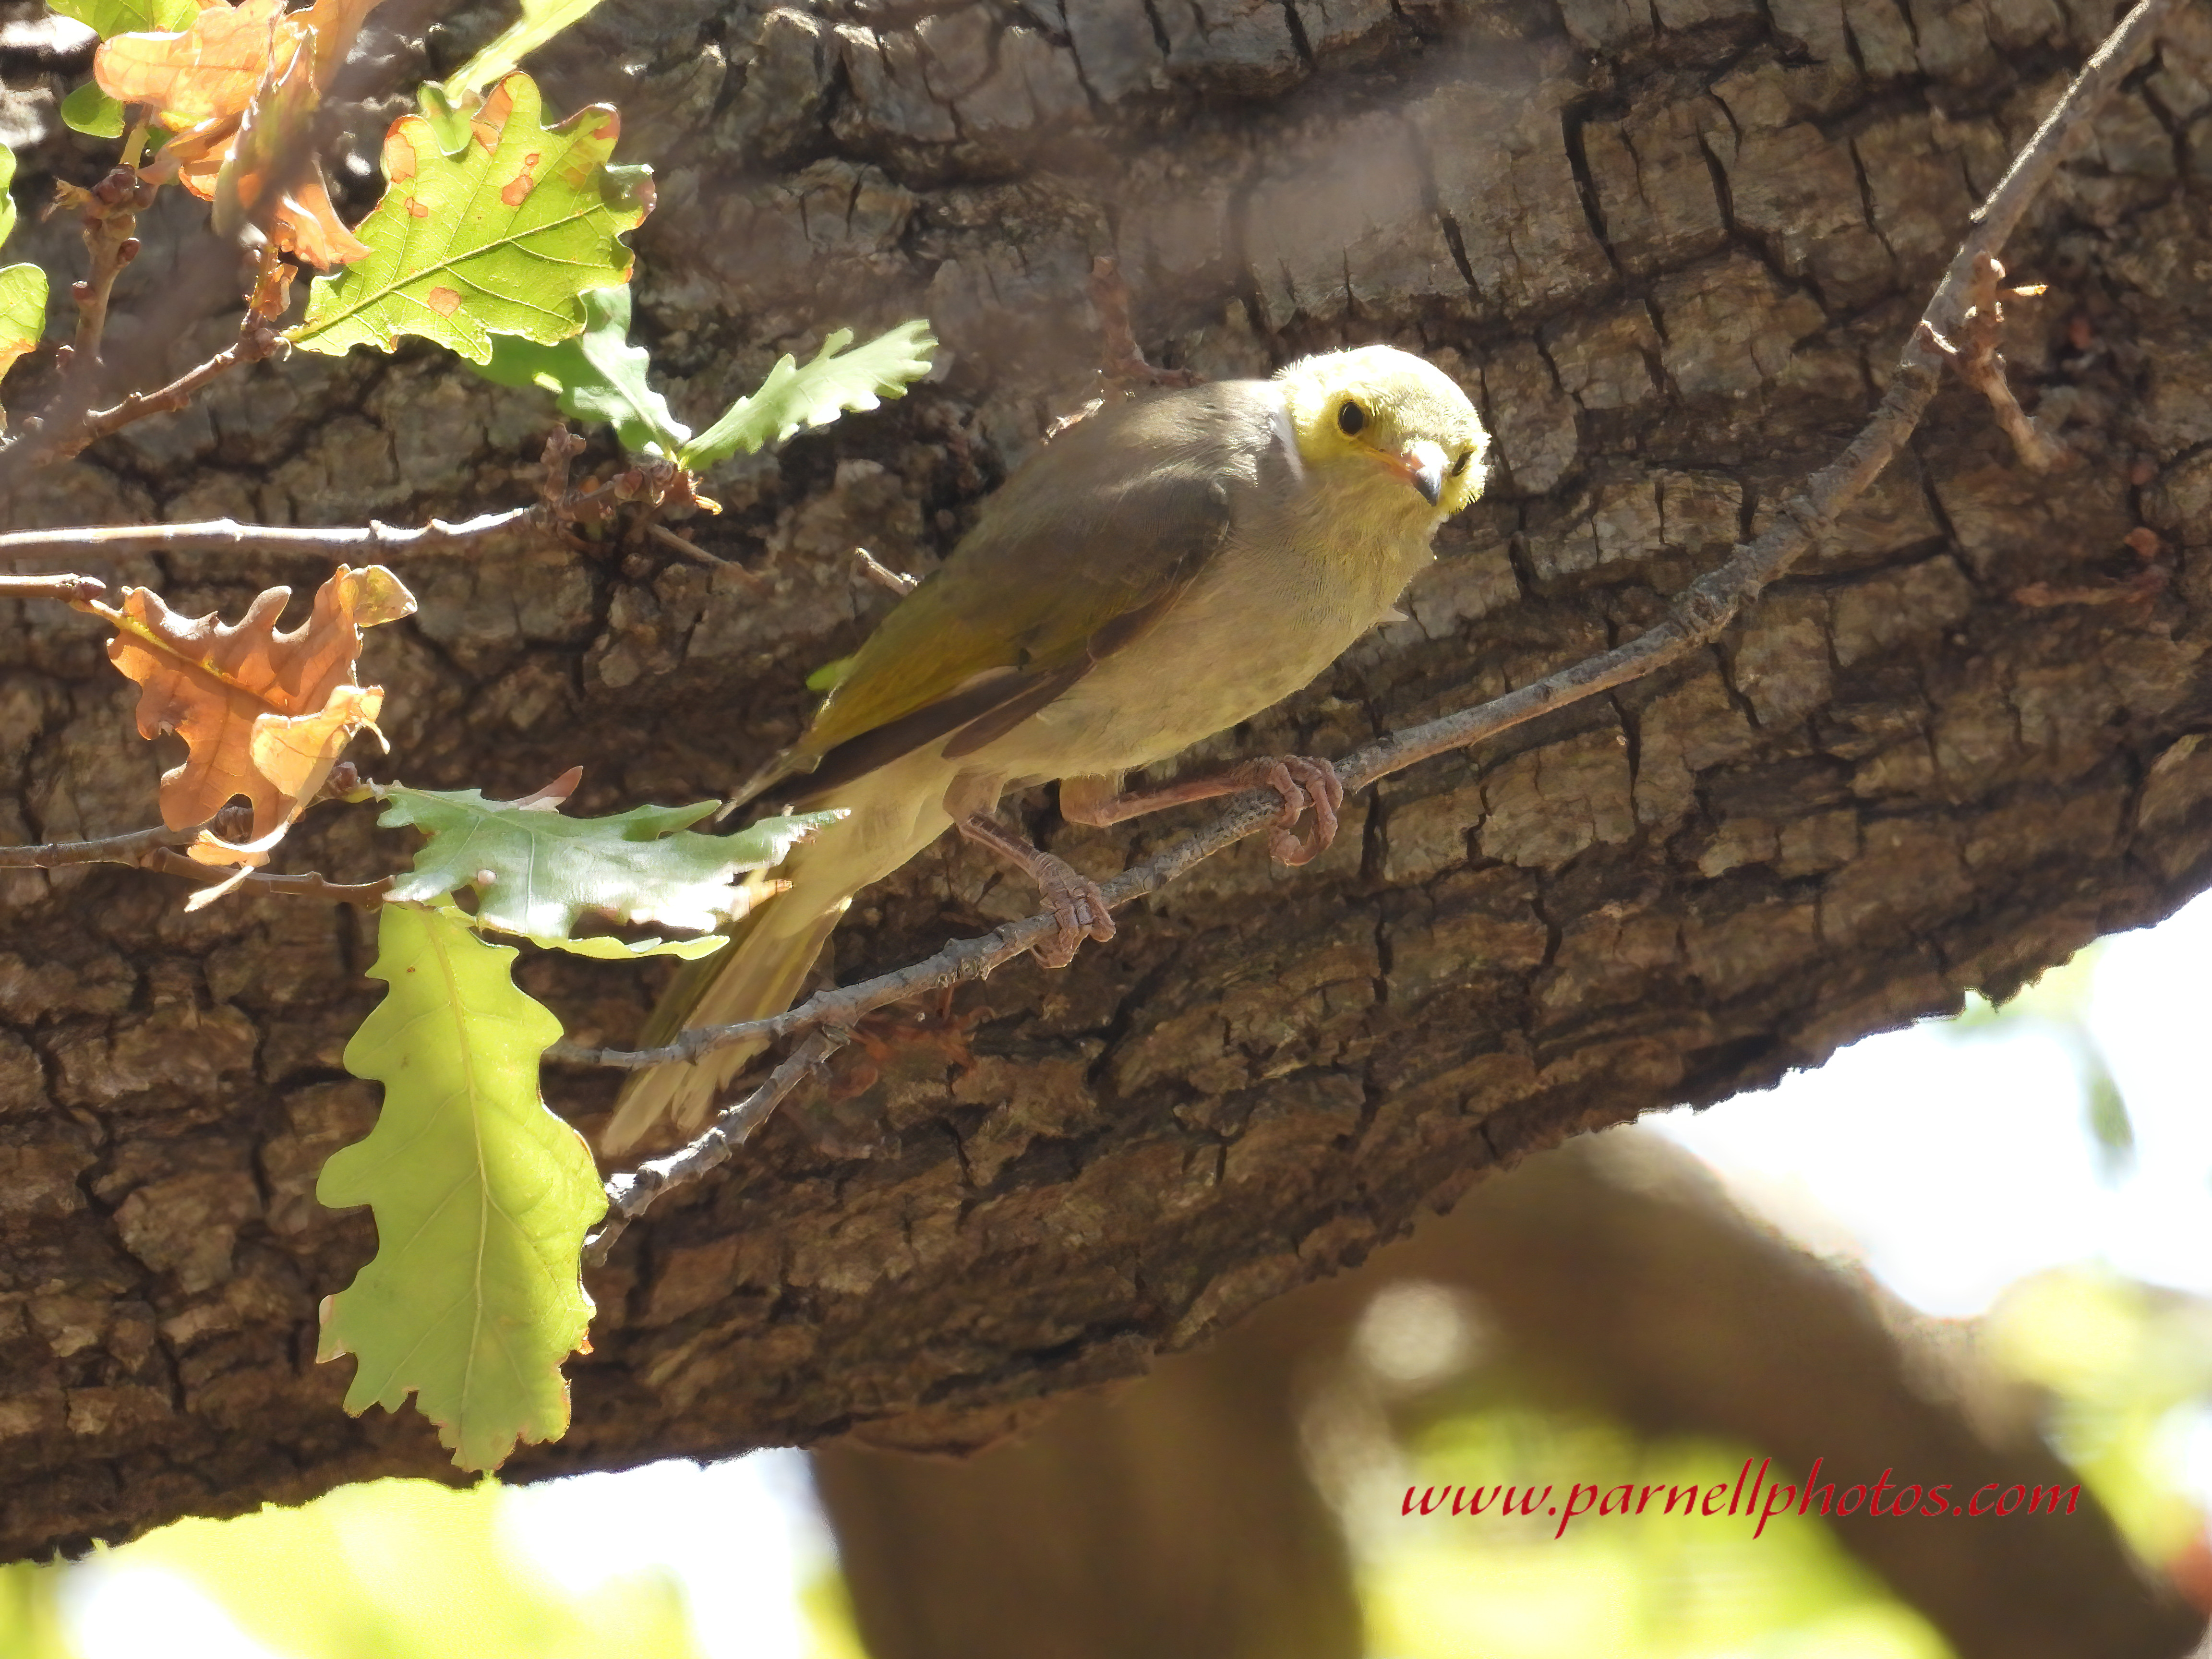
point(92, 112)
point(596, 375)
point(108, 17)
point(448, 117)
point(547, 872)
point(482, 1196)
point(23, 311)
point(505, 239)
point(540, 22)
point(817, 393)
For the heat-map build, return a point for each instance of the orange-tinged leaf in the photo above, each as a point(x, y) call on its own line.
point(23, 311)
point(334, 24)
point(296, 752)
point(307, 225)
point(213, 684)
point(212, 69)
point(456, 255)
point(240, 87)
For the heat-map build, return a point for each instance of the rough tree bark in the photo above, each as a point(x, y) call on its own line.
point(1671, 250)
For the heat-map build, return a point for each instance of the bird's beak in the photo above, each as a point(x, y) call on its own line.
point(1422, 465)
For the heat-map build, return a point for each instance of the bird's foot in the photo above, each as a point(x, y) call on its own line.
point(1302, 781)
point(1075, 899)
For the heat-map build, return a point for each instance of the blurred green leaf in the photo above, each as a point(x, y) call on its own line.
point(795, 397)
point(506, 240)
point(476, 1296)
point(23, 311)
point(30, 1614)
point(107, 18)
point(2106, 1112)
point(412, 1570)
point(546, 872)
point(540, 22)
point(831, 675)
point(596, 375)
point(92, 112)
point(2129, 1366)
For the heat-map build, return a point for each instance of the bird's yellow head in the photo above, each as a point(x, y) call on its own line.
point(1386, 409)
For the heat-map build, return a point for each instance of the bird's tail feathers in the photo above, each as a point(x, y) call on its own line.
point(758, 974)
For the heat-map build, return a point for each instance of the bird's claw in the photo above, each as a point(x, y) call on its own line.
point(1077, 906)
point(1075, 899)
point(1303, 782)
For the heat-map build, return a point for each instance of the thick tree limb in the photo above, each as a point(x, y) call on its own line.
point(1699, 616)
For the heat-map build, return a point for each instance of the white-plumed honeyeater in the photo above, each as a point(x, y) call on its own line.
point(1161, 571)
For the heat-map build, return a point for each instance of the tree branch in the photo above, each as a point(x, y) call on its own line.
point(374, 540)
point(629, 1195)
point(362, 895)
point(73, 589)
point(131, 847)
point(651, 480)
point(256, 341)
point(1981, 368)
point(1699, 614)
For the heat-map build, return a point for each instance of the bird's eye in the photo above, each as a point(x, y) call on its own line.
point(1350, 418)
point(1459, 465)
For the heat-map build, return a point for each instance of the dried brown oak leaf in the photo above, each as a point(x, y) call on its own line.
point(237, 90)
point(264, 714)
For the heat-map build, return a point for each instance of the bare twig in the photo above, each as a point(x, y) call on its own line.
point(131, 847)
point(372, 540)
point(882, 575)
point(561, 447)
point(1697, 616)
point(691, 549)
point(631, 1193)
point(1124, 362)
point(1982, 367)
point(257, 342)
point(361, 895)
point(74, 589)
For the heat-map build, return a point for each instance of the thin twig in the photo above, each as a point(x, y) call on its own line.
point(882, 575)
point(1981, 366)
point(1124, 362)
point(631, 1193)
point(74, 589)
point(361, 895)
point(1698, 616)
point(374, 540)
point(690, 548)
point(130, 847)
point(257, 342)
